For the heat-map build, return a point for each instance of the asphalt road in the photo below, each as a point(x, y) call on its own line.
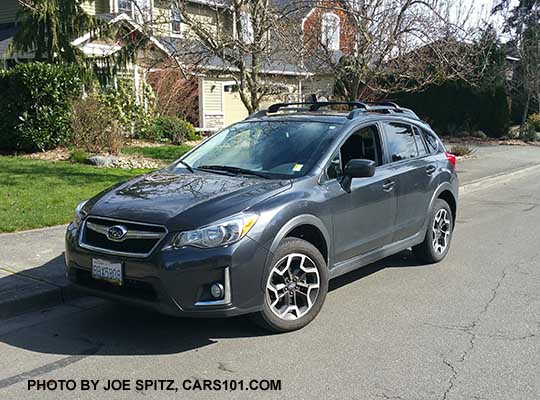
point(467, 328)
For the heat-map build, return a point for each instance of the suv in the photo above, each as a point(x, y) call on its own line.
point(260, 216)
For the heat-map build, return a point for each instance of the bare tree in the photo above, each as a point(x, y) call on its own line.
point(395, 45)
point(243, 39)
point(391, 45)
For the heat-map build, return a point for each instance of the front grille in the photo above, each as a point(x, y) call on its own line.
point(131, 287)
point(138, 239)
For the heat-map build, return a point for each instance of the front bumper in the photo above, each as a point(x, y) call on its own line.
point(177, 281)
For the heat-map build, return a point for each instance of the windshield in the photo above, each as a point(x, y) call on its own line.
point(269, 148)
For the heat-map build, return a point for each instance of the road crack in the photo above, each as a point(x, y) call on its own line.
point(470, 330)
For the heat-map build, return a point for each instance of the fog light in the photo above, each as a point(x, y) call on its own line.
point(216, 290)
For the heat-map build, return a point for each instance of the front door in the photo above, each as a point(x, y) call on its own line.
point(363, 219)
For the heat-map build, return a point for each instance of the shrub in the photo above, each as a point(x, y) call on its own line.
point(78, 156)
point(95, 127)
point(172, 129)
point(127, 111)
point(35, 105)
point(174, 94)
point(461, 150)
point(534, 122)
point(528, 134)
point(479, 135)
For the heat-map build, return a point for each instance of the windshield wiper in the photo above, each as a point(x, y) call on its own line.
point(234, 170)
point(185, 164)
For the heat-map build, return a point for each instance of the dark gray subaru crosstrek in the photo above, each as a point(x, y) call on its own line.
point(260, 216)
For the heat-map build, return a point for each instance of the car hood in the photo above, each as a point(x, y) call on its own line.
point(185, 201)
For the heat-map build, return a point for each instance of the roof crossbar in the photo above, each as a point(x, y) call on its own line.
point(277, 106)
point(357, 108)
point(315, 106)
point(384, 103)
point(352, 104)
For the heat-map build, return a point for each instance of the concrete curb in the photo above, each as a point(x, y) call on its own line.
point(38, 301)
point(54, 295)
point(43, 295)
point(488, 181)
point(32, 230)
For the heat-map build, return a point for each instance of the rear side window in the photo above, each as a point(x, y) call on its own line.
point(401, 143)
point(431, 141)
point(420, 142)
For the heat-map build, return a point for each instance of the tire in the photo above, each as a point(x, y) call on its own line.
point(440, 222)
point(293, 259)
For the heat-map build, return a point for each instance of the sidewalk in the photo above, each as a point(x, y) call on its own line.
point(32, 270)
point(32, 265)
point(490, 161)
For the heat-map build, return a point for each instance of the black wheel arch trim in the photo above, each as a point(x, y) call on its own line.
point(303, 219)
point(443, 187)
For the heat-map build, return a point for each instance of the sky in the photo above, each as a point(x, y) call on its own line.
point(482, 11)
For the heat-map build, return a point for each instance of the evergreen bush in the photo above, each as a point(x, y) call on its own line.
point(35, 105)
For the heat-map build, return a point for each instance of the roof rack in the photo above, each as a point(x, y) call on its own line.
point(315, 106)
point(357, 108)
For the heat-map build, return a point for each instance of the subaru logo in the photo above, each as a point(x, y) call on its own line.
point(117, 233)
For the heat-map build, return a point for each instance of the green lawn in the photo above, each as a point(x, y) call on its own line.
point(34, 194)
point(166, 153)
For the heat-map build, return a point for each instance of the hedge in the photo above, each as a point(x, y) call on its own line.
point(35, 105)
point(457, 106)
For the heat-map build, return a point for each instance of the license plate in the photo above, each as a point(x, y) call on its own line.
point(107, 271)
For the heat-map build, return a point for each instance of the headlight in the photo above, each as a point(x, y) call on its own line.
point(221, 233)
point(79, 214)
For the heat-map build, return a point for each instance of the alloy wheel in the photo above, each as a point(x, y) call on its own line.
point(293, 286)
point(441, 231)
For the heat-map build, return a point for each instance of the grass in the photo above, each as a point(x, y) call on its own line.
point(166, 153)
point(35, 194)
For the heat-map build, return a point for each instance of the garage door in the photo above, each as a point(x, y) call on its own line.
point(233, 107)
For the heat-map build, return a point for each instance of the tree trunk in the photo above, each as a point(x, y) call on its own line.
point(526, 109)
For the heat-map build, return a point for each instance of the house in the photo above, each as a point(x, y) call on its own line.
point(321, 23)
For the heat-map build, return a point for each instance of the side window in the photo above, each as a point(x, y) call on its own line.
point(334, 170)
point(401, 144)
point(420, 142)
point(431, 141)
point(363, 144)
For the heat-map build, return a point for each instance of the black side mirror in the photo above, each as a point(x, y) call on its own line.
point(357, 169)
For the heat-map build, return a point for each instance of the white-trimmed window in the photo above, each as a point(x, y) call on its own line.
point(125, 7)
point(330, 31)
point(246, 27)
point(176, 20)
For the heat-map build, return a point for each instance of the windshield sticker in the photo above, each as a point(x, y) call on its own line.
point(297, 167)
point(332, 127)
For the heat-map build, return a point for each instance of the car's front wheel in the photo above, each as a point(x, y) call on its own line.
point(438, 236)
point(296, 287)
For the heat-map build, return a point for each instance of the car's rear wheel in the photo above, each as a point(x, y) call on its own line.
point(295, 287)
point(438, 236)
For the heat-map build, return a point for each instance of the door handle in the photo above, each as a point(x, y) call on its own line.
point(430, 169)
point(388, 186)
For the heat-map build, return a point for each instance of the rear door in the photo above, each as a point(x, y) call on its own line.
point(364, 218)
point(413, 171)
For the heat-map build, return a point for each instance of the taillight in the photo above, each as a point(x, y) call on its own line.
point(452, 158)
